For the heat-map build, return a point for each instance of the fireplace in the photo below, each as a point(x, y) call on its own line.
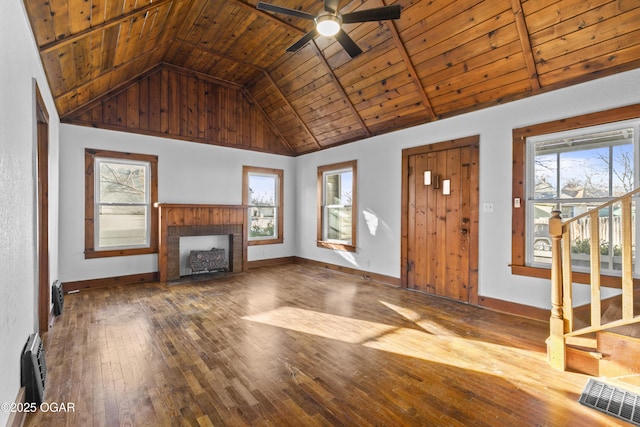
point(176, 221)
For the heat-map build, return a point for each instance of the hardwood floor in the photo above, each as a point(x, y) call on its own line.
point(295, 345)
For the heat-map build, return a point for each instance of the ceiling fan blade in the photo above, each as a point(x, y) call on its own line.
point(331, 6)
point(277, 9)
point(348, 44)
point(375, 14)
point(303, 40)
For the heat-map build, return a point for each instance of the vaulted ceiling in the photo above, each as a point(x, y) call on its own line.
point(161, 60)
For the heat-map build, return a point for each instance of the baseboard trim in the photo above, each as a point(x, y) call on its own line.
point(269, 262)
point(515, 308)
point(380, 278)
point(18, 418)
point(110, 281)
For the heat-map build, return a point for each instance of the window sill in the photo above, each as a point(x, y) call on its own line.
point(265, 242)
point(336, 246)
point(90, 253)
point(583, 278)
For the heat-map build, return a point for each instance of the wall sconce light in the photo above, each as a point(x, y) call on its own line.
point(446, 187)
point(427, 177)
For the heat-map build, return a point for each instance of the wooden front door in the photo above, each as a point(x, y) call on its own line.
point(440, 223)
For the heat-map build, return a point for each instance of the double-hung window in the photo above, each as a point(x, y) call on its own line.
point(337, 211)
point(262, 194)
point(120, 218)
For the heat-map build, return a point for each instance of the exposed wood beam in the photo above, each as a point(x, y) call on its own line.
point(266, 116)
point(49, 47)
point(220, 54)
point(268, 16)
point(410, 67)
point(523, 35)
point(286, 101)
point(340, 89)
point(202, 76)
point(114, 91)
point(144, 74)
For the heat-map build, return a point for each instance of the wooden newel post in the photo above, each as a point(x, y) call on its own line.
point(556, 344)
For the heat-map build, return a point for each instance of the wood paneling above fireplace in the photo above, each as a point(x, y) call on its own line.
point(177, 220)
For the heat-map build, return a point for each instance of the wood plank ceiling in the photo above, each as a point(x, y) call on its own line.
point(161, 60)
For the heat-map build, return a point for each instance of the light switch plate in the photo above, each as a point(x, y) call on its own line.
point(488, 207)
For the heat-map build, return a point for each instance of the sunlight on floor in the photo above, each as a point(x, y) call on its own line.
point(324, 325)
point(432, 342)
point(428, 325)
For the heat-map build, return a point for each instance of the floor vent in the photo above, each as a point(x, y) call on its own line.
point(612, 400)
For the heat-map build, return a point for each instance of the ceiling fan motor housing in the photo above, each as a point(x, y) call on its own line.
point(328, 24)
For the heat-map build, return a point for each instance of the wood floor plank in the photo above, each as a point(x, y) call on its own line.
point(295, 345)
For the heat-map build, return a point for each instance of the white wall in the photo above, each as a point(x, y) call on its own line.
point(19, 66)
point(187, 173)
point(379, 183)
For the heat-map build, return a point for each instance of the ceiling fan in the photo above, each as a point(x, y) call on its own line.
point(329, 22)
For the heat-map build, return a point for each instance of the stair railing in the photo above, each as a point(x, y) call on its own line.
point(562, 313)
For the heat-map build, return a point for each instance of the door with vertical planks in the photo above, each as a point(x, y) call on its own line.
point(441, 220)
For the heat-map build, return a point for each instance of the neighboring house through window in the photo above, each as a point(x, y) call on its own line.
point(573, 171)
point(337, 210)
point(120, 218)
point(262, 193)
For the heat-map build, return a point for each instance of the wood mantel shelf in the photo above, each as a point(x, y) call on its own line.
point(176, 220)
point(195, 205)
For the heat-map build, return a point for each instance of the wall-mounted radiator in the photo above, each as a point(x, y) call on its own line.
point(57, 297)
point(33, 370)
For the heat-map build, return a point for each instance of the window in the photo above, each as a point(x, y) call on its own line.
point(120, 191)
point(574, 173)
point(263, 194)
point(337, 206)
point(573, 165)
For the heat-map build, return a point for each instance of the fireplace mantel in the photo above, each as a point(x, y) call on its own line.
point(176, 220)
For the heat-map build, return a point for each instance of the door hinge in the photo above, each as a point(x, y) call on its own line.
point(410, 170)
point(408, 266)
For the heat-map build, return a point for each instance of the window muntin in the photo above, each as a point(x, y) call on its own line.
point(120, 190)
point(574, 172)
point(122, 204)
point(337, 206)
point(262, 194)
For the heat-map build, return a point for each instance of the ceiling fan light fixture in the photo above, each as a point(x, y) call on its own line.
point(328, 25)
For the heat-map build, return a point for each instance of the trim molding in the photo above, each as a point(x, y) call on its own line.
point(381, 278)
point(18, 418)
point(110, 281)
point(485, 302)
point(271, 261)
point(515, 308)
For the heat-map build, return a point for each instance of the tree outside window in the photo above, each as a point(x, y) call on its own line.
point(120, 218)
point(262, 194)
point(574, 173)
point(122, 204)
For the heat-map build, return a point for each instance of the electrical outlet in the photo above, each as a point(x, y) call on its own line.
point(488, 207)
point(366, 263)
